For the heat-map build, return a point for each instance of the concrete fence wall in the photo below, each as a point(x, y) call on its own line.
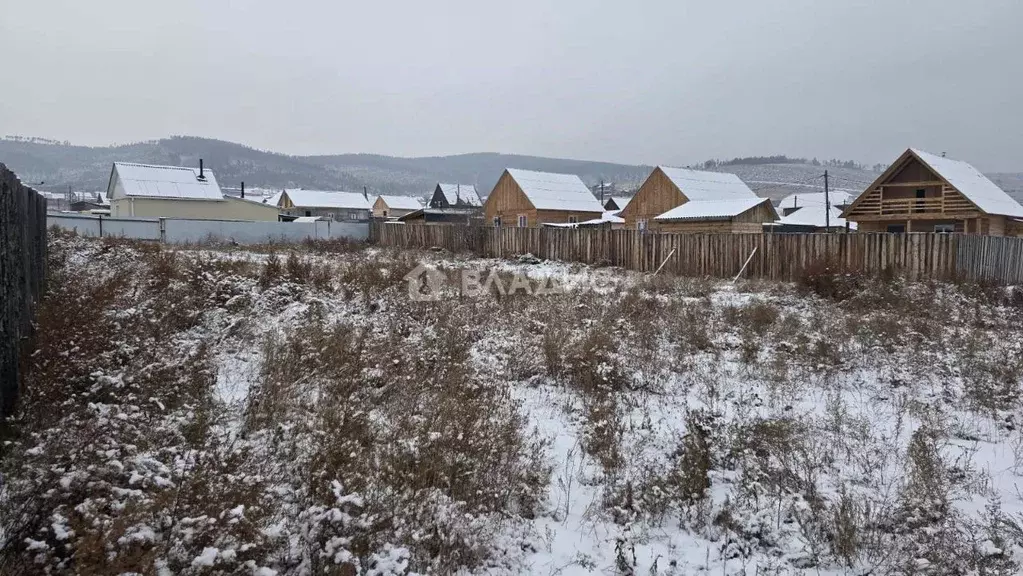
point(182, 231)
point(22, 277)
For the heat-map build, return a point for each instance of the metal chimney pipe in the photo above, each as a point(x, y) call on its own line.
point(243, 189)
point(202, 176)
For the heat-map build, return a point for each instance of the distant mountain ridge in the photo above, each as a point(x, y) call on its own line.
point(83, 168)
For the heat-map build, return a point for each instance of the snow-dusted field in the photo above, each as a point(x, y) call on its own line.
point(219, 412)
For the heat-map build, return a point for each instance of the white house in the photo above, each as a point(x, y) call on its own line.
point(151, 191)
point(330, 204)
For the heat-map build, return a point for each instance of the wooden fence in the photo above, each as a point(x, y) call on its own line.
point(22, 277)
point(774, 256)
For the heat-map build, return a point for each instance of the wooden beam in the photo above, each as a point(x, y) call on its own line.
point(922, 216)
point(924, 184)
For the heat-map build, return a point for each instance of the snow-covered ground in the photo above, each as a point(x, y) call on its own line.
point(255, 414)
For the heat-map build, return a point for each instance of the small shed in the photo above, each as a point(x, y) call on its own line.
point(733, 215)
point(527, 199)
point(463, 215)
point(668, 188)
point(395, 206)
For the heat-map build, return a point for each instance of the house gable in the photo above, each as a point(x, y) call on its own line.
point(439, 200)
point(507, 200)
point(896, 193)
point(657, 195)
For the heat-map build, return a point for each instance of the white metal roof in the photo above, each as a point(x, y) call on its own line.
point(401, 202)
point(972, 184)
point(711, 209)
point(837, 197)
point(813, 215)
point(327, 199)
point(700, 185)
point(466, 193)
point(149, 181)
point(548, 191)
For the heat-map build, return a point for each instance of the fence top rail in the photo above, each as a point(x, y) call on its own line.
point(73, 216)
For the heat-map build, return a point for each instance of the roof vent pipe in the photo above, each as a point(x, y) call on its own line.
point(202, 175)
point(243, 189)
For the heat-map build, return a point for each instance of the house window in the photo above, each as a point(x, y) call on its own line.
point(523, 221)
point(641, 225)
point(353, 215)
point(385, 213)
point(897, 228)
point(497, 221)
point(308, 212)
point(945, 228)
point(573, 219)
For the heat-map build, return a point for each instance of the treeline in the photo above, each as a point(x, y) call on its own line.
point(36, 140)
point(782, 159)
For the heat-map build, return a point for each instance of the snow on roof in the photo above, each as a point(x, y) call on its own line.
point(465, 192)
point(548, 191)
point(699, 185)
point(401, 202)
point(609, 217)
point(149, 181)
point(712, 209)
point(836, 197)
point(972, 184)
point(308, 219)
point(813, 215)
point(327, 199)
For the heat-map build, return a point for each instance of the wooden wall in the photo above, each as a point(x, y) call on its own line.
point(507, 200)
point(778, 256)
point(749, 222)
point(655, 197)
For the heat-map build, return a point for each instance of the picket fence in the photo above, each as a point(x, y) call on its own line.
point(771, 256)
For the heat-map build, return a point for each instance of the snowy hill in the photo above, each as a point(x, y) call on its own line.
point(60, 165)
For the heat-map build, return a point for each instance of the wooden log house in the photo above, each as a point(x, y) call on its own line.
point(723, 203)
point(527, 199)
point(923, 192)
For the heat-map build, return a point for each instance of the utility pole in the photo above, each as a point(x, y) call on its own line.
point(827, 204)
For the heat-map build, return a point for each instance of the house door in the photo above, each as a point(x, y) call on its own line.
point(920, 194)
point(897, 228)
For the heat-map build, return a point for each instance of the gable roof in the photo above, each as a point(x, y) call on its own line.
point(401, 202)
point(152, 181)
point(699, 185)
point(814, 215)
point(713, 209)
point(327, 199)
point(465, 192)
point(549, 191)
point(977, 188)
point(801, 199)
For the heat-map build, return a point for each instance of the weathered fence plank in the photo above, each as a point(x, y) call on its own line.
point(783, 257)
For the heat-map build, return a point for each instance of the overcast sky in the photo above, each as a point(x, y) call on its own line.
point(673, 81)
